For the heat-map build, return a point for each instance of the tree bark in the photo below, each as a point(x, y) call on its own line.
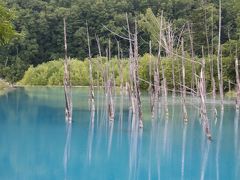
point(211, 65)
point(131, 70)
point(66, 81)
point(136, 78)
point(164, 82)
point(202, 92)
point(219, 54)
point(238, 83)
point(185, 116)
point(110, 86)
point(91, 89)
point(193, 78)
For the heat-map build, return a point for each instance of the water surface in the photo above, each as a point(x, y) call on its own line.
point(37, 143)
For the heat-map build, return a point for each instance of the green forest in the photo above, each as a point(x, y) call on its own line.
point(31, 33)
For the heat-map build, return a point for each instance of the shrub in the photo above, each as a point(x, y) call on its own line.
point(51, 73)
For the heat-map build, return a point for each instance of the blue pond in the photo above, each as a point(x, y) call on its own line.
point(37, 143)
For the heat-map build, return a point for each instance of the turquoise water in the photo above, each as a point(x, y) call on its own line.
point(37, 143)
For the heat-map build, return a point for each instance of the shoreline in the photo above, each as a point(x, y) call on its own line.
point(226, 94)
point(5, 87)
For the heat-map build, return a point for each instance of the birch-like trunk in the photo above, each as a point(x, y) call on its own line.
point(193, 78)
point(173, 59)
point(110, 87)
point(211, 64)
point(136, 79)
point(150, 88)
point(164, 82)
point(101, 63)
point(219, 54)
point(202, 92)
point(238, 83)
point(185, 116)
point(91, 89)
point(66, 81)
point(120, 68)
point(131, 71)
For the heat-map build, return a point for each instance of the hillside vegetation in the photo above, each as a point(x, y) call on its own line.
point(40, 23)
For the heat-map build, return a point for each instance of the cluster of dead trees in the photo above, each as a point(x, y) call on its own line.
point(170, 45)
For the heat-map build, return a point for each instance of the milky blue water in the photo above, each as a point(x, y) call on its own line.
point(37, 143)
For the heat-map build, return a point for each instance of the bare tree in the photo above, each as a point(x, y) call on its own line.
point(134, 85)
point(100, 59)
point(164, 82)
point(193, 77)
point(110, 86)
point(131, 70)
point(185, 116)
point(173, 59)
point(150, 88)
point(219, 54)
point(136, 78)
point(211, 63)
point(66, 81)
point(202, 92)
point(91, 89)
point(120, 67)
point(238, 81)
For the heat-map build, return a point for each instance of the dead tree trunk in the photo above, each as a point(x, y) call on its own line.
point(66, 82)
point(136, 79)
point(219, 54)
point(206, 28)
point(99, 64)
point(193, 78)
point(238, 83)
point(211, 65)
point(168, 39)
point(120, 68)
point(156, 77)
point(229, 85)
point(202, 92)
point(131, 71)
point(173, 59)
point(91, 89)
point(110, 87)
point(150, 88)
point(134, 86)
point(221, 78)
point(164, 84)
point(156, 90)
point(185, 116)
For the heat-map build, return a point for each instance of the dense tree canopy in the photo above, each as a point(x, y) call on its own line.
point(40, 23)
point(7, 31)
